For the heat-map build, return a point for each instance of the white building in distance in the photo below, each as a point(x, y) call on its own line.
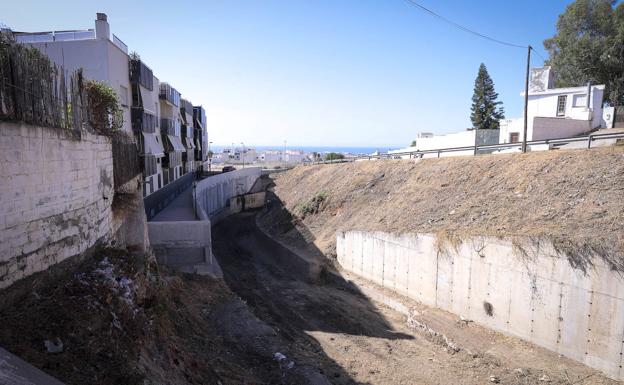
point(555, 112)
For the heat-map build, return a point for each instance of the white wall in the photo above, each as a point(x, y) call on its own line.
point(213, 193)
point(544, 104)
point(534, 291)
point(100, 60)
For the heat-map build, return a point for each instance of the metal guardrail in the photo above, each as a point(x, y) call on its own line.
point(501, 146)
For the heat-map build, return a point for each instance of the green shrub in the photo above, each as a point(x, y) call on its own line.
point(105, 113)
point(313, 206)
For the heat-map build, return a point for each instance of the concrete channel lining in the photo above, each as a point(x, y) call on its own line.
point(186, 243)
point(534, 294)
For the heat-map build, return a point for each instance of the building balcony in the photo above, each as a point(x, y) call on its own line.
point(142, 121)
point(169, 94)
point(141, 74)
point(169, 126)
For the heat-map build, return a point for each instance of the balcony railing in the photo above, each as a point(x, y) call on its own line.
point(122, 46)
point(170, 126)
point(186, 107)
point(169, 94)
point(142, 74)
point(142, 121)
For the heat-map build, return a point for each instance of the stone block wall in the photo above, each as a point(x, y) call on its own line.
point(56, 194)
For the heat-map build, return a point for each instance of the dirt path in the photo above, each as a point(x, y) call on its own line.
point(332, 326)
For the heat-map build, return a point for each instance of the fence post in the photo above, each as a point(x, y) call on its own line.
point(438, 153)
point(589, 139)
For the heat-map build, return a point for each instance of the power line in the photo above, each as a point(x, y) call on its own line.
point(461, 27)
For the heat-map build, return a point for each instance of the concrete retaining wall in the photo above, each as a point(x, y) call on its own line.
point(213, 193)
point(55, 197)
point(532, 291)
point(181, 243)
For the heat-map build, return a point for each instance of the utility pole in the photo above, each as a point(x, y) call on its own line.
point(243, 154)
point(526, 100)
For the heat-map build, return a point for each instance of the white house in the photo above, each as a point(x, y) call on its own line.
point(555, 112)
point(427, 141)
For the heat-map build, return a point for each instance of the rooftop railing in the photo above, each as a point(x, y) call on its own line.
point(46, 37)
point(122, 46)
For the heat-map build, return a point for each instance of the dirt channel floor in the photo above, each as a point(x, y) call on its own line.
point(333, 327)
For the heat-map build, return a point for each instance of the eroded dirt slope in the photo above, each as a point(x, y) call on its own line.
point(575, 198)
point(117, 319)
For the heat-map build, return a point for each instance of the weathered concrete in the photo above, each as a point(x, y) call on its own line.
point(56, 197)
point(213, 194)
point(530, 290)
point(247, 201)
point(181, 209)
point(15, 371)
point(180, 241)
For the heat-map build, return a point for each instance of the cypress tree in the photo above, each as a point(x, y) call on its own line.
point(485, 108)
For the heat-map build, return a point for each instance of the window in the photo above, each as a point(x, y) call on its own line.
point(561, 105)
point(123, 96)
point(514, 137)
point(579, 100)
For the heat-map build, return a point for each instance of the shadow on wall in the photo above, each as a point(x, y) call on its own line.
point(276, 285)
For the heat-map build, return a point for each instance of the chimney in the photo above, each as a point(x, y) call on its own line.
point(102, 29)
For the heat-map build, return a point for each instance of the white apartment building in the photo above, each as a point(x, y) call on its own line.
point(555, 112)
point(188, 133)
point(101, 55)
point(145, 114)
point(171, 130)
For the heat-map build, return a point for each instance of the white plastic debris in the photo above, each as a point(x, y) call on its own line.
point(54, 346)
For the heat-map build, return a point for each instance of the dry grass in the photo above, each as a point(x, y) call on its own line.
point(573, 198)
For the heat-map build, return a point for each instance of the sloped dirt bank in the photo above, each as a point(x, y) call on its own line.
point(117, 319)
point(341, 328)
point(574, 198)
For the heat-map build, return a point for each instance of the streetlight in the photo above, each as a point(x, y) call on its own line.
point(209, 157)
point(243, 154)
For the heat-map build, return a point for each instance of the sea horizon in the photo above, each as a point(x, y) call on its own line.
point(319, 149)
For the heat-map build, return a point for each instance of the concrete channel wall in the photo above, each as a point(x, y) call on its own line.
point(521, 288)
point(187, 244)
point(212, 194)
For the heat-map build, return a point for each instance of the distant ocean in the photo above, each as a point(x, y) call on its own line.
point(321, 149)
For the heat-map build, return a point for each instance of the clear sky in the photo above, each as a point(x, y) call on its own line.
point(318, 72)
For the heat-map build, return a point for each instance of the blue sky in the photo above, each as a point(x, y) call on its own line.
point(318, 72)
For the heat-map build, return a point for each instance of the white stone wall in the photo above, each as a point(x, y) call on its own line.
point(534, 292)
point(55, 197)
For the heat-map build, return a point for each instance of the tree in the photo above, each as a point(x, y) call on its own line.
point(485, 108)
point(589, 47)
point(333, 156)
point(413, 143)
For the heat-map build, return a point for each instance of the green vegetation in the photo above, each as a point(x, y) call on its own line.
point(105, 113)
point(589, 47)
point(333, 156)
point(485, 110)
point(313, 206)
